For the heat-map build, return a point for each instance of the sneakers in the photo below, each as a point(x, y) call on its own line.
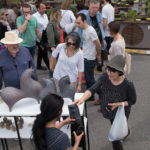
point(41, 68)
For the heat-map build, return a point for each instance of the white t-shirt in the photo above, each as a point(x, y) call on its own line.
point(108, 13)
point(89, 48)
point(67, 65)
point(67, 18)
point(42, 21)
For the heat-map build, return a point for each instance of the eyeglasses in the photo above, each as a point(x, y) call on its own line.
point(69, 44)
point(111, 69)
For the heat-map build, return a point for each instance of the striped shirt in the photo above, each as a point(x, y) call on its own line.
point(56, 139)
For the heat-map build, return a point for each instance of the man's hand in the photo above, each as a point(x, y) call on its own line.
point(28, 17)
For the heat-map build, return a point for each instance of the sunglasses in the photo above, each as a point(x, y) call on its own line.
point(111, 69)
point(69, 44)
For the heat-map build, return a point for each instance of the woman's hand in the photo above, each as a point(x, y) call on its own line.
point(68, 120)
point(79, 88)
point(78, 102)
point(115, 105)
point(78, 137)
point(112, 106)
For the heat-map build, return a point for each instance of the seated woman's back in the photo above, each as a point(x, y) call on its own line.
point(56, 139)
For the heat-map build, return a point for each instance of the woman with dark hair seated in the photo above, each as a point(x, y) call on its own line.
point(70, 61)
point(46, 135)
point(115, 89)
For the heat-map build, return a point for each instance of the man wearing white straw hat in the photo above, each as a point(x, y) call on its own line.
point(14, 60)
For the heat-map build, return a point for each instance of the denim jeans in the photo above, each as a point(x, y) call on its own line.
point(89, 66)
point(50, 74)
point(32, 50)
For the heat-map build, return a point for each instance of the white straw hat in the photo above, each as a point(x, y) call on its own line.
point(11, 37)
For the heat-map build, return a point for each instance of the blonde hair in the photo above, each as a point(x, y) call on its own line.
point(66, 4)
point(55, 16)
point(2, 12)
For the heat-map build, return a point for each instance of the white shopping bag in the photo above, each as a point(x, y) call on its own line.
point(119, 128)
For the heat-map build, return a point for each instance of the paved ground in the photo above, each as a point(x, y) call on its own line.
point(139, 121)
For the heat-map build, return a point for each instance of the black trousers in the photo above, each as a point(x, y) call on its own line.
point(42, 54)
point(117, 145)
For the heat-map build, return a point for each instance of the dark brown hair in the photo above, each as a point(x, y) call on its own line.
point(26, 6)
point(75, 37)
point(83, 16)
point(115, 70)
point(114, 27)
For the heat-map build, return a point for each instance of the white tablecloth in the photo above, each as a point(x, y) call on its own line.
point(30, 107)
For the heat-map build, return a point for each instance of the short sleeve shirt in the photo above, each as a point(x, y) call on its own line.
point(108, 13)
point(67, 18)
point(117, 48)
point(68, 65)
point(96, 27)
point(29, 35)
point(56, 139)
point(42, 21)
point(89, 49)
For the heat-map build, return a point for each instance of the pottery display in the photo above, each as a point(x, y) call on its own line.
point(28, 88)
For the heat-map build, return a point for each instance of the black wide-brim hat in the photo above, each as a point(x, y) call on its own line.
point(117, 62)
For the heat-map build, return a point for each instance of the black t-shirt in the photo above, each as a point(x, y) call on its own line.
point(96, 27)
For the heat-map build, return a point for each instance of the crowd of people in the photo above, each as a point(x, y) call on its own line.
point(77, 43)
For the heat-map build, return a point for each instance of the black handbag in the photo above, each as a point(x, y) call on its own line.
point(44, 40)
point(75, 114)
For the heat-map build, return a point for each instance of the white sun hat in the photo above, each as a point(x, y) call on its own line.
point(11, 37)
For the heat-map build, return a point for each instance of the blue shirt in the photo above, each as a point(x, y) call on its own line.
point(11, 67)
point(56, 139)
